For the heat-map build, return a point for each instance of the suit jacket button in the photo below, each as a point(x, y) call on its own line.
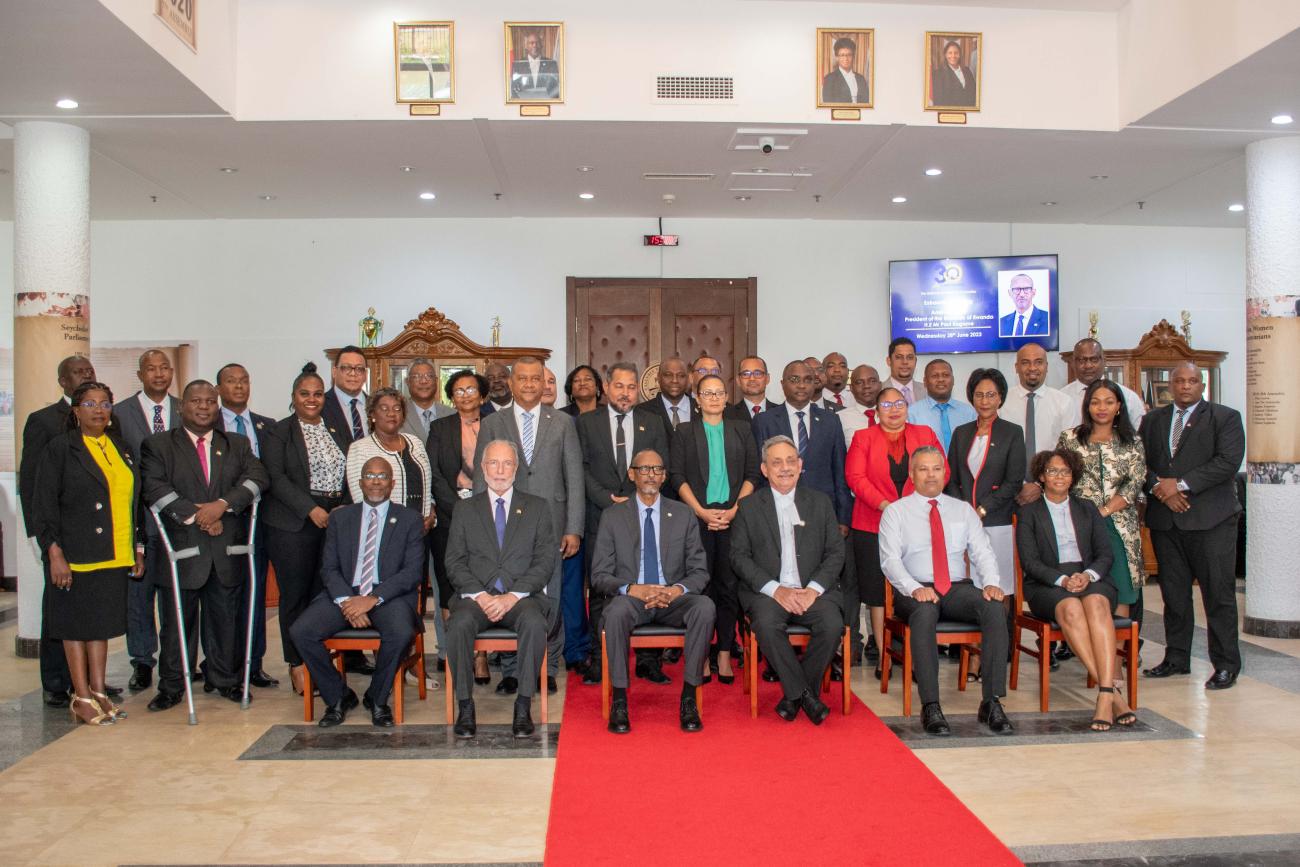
point(99, 529)
point(98, 506)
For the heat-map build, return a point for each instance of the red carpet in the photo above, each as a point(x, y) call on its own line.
point(749, 791)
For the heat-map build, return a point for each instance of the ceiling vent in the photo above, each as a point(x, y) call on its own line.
point(766, 182)
point(677, 176)
point(694, 88)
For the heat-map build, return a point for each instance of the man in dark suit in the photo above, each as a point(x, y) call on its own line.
point(42, 426)
point(843, 86)
point(149, 411)
point(499, 394)
point(501, 554)
point(235, 388)
point(534, 76)
point(752, 380)
point(372, 567)
point(609, 437)
point(1193, 450)
point(787, 550)
point(422, 404)
point(1026, 320)
point(651, 563)
point(202, 481)
point(672, 405)
point(345, 402)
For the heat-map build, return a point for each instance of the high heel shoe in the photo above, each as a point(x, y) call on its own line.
point(100, 719)
point(1128, 717)
point(1098, 724)
point(115, 712)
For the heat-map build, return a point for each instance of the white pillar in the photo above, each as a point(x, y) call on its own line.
point(1272, 286)
point(51, 305)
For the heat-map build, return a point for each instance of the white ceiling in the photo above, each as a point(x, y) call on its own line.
point(1050, 5)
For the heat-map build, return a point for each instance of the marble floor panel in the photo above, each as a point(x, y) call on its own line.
point(402, 743)
point(1054, 727)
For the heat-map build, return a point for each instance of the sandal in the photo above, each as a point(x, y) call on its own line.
point(1128, 717)
point(100, 719)
point(1102, 725)
point(114, 711)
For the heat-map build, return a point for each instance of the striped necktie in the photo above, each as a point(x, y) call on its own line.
point(803, 433)
point(371, 555)
point(527, 436)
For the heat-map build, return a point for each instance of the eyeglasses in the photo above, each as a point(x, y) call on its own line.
point(795, 380)
point(499, 464)
point(1021, 290)
point(467, 391)
point(986, 395)
point(650, 470)
point(712, 393)
point(375, 477)
point(1057, 471)
point(752, 374)
point(352, 368)
point(709, 371)
point(420, 377)
point(892, 404)
point(90, 404)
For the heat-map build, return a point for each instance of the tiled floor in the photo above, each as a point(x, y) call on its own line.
point(1214, 777)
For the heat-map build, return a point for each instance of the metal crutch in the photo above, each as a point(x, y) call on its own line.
point(174, 557)
point(253, 598)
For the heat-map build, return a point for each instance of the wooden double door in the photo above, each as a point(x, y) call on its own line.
point(645, 321)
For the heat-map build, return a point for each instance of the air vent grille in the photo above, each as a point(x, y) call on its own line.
point(694, 87)
point(677, 176)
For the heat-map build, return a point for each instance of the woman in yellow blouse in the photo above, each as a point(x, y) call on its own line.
point(87, 524)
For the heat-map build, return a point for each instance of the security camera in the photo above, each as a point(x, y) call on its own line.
point(767, 144)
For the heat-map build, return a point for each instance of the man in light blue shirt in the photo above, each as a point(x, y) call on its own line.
point(937, 410)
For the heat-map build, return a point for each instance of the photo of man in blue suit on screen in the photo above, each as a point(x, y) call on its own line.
point(1026, 320)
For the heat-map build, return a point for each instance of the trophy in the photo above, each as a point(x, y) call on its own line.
point(496, 330)
point(371, 329)
point(1187, 327)
point(1092, 324)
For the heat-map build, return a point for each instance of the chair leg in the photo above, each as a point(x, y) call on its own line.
point(399, 682)
point(419, 666)
point(963, 668)
point(1013, 680)
point(747, 661)
point(450, 688)
point(605, 687)
point(751, 674)
point(886, 660)
point(544, 690)
point(1044, 671)
point(825, 683)
point(308, 703)
point(1132, 667)
point(848, 672)
point(907, 672)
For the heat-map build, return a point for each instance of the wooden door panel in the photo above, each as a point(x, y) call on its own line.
point(707, 334)
point(618, 337)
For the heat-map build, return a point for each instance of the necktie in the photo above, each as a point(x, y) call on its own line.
point(649, 550)
point(240, 427)
point(803, 434)
point(357, 431)
point(371, 555)
point(945, 427)
point(1030, 439)
point(871, 418)
point(676, 418)
point(1177, 433)
point(758, 407)
point(620, 445)
point(500, 520)
point(203, 458)
point(157, 419)
point(528, 437)
point(427, 415)
point(839, 400)
point(1020, 326)
point(939, 551)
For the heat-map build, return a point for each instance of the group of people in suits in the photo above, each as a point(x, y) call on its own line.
point(683, 510)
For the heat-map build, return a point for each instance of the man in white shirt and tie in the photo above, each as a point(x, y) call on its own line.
point(752, 380)
point(1089, 364)
point(835, 368)
point(902, 365)
point(1041, 411)
point(926, 539)
point(422, 404)
point(864, 385)
point(345, 404)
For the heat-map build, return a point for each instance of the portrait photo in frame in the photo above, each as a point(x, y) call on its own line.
point(953, 62)
point(534, 56)
point(846, 60)
point(424, 61)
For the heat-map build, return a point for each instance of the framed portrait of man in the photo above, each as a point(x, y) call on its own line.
point(952, 71)
point(534, 61)
point(423, 52)
point(846, 62)
point(1024, 303)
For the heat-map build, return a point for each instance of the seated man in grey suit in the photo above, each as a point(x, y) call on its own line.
point(650, 561)
point(501, 552)
point(787, 551)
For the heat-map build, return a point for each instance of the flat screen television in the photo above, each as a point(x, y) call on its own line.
point(987, 304)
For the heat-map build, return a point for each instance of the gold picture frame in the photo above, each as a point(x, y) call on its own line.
point(424, 62)
point(534, 84)
point(952, 95)
point(830, 82)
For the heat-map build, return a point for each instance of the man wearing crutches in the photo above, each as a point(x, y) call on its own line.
point(203, 482)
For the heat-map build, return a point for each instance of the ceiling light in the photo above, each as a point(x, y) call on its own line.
point(267, 198)
point(227, 170)
point(1236, 207)
point(1098, 177)
point(743, 198)
point(584, 168)
point(66, 103)
point(427, 196)
point(1282, 119)
point(406, 168)
point(1048, 204)
point(898, 200)
point(934, 173)
point(760, 170)
point(586, 195)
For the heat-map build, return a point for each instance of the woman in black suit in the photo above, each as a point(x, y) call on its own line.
point(1065, 552)
point(87, 524)
point(713, 462)
point(952, 83)
point(583, 390)
point(306, 459)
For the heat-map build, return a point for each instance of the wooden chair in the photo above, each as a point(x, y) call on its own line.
point(799, 636)
point(652, 635)
point(1047, 631)
point(489, 640)
point(965, 635)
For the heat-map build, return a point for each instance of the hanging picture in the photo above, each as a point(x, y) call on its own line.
point(952, 71)
point(534, 61)
point(423, 52)
point(845, 67)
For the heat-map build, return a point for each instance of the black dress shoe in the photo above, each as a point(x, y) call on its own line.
point(466, 725)
point(141, 678)
point(619, 723)
point(673, 655)
point(381, 716)
point(262, 680)
point(769, 676)
point(508, 686)
point(591, 677)
point(933, 720)
point(358, 665)
point(113, 691)
point(335, 714)
point(837, 673)
point(57, 699)
point(196, 675)
point(1063, 652)
point(522, 726)
point(1166, 669)
point(689, 714)
point(442, 664)
point(787, 709)
point(652, 672)
point(234, 693)
point(165, 700)
point(992, 714)
point(1222, 679)
point(551, 686)
point(816, 710)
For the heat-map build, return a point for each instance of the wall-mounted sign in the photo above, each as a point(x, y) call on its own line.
point(180, 17)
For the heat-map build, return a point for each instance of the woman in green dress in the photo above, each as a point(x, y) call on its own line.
point(1114, 466)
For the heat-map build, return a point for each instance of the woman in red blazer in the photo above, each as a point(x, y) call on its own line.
point(876, 472)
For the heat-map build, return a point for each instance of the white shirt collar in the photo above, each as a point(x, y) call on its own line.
point(508, 496)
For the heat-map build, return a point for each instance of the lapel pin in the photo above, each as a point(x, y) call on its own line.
point(260, 425)
point(519, 511)
point(333, 431)
point(218, 453)
point(392, 520)
point(641, 428)
point(669, 514)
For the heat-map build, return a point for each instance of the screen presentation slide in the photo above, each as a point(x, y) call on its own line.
point(988, 304)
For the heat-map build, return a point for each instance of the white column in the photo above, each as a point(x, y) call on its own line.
point(51, 305)
point(1272, 270)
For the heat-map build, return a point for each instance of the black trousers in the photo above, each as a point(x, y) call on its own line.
point(964, 602)
point(55, 676)
point(1209, 557)
point(690, 611)
point(296, 556)
point(849, 593)
point(722, 583)
point(769, 620)
point(218, 625)
point(528, 618)
point(324, 619)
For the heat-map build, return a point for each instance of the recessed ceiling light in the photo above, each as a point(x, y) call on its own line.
point(267, 198)
point(584, 168)
point(1098, 177)
point(934, 173)
point(586, 195)
point(1236, 207)
point(759, 170)
point(427, 196)
point(406, 168)
point(743, 198)
point(1282, 119)
point(898, 200)
point(227, 170)
point(66, 103)
point(1048, 204)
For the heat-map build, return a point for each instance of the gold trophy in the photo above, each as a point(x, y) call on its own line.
point(1092, 324)
point(371, 329)
point(496, 330)
point(1187, 327)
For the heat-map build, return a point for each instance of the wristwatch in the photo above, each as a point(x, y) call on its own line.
point(983, 513)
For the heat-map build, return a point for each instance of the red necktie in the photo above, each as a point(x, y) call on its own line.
point(839, 400)
point(871, 418)
point(939, 551)
point(203, 459)
point(757, 408)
